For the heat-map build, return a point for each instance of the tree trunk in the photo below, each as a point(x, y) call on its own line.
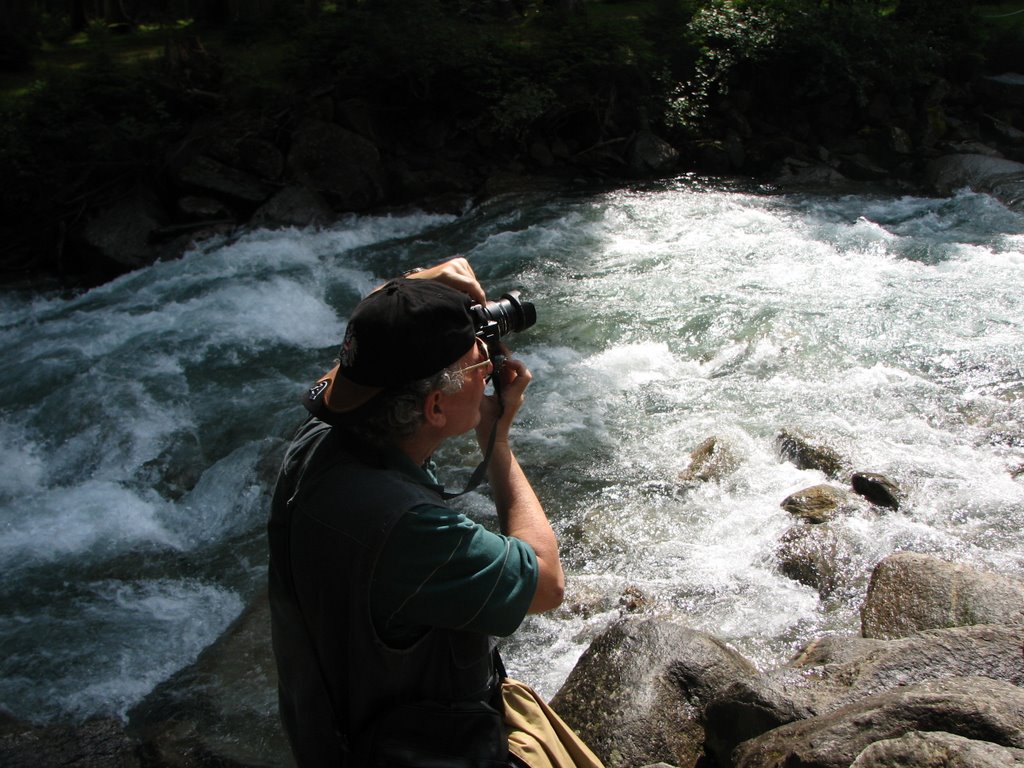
point(76, 13)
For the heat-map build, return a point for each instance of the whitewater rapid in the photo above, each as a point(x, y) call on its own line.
point(141, 421)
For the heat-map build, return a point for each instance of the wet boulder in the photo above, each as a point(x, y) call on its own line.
point(637, 693)
point(814, 555)
point(835, 672)
point(972, 707)
point(710, 461)
point(876, 488)
point(747, 708)
point(808, 453)
point(293, 206)
point(910, 592)
point(124, 232)
point(816, 504)
point(996, 176)
point(1002, 90)
point(251, 154)
point(342, 165)
point(213, 176)
point(96, 743)
point(221, 710)
point(938, 749)
point(649, 154)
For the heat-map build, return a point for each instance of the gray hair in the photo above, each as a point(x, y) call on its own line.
point(397, 413)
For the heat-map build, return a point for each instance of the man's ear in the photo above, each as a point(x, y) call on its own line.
point(433, 409)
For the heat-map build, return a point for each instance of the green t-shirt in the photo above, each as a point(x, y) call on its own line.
point(438, 568)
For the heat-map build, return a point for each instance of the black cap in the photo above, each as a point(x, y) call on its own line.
point(404, 331)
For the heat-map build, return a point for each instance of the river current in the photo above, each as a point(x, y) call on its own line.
point(141, 421)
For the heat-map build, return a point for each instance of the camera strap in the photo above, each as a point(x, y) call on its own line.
point(481, 469)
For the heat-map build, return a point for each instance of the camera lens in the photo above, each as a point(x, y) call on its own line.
point(505, 315)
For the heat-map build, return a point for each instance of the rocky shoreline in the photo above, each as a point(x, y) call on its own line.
point(334, 154)
point(934, 677)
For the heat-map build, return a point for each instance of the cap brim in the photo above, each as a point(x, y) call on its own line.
point(336, 394)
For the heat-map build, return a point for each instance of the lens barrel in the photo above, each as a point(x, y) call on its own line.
point(502, 317)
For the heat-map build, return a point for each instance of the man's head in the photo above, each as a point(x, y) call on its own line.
point(402, 342)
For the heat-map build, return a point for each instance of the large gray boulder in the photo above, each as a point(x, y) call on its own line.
point(973, 707)
point(834, 672)
point(1003, 90)
point(206, 173)
point(123, 232)
point(221, 710)
point(937, 749)
point(910, 592)
point(1001, 178)
point(637, 693)
point(815, 555)
point(649, 154)
point(342, 165)
point(293, 206)
point(97, 743)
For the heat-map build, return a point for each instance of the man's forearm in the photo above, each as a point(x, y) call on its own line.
point(521, 515)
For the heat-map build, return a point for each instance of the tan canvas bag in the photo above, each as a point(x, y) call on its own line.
point(537, 735)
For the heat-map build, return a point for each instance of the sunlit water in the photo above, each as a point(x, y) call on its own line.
point(141, 422)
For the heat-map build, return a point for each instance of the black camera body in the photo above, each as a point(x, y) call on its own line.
point(500, 318)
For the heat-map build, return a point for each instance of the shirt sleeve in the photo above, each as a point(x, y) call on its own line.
point(440, 569)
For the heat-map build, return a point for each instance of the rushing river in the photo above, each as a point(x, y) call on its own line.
point(141, 421)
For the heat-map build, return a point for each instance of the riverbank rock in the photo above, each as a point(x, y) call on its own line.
point(814, 555)
point(213, 176)
point(909, 592)
point(222, 710)
point(123, 233)
point(999, 177)
point(648, 154)
point(809, 453)
point(836, 672)
point(878, 489)
point(636, 694)
point(294, 206)
point(937, 750)
point(816, 504)
point(972, 707)
point(97, 743)
point(341, 165)
point(1002, 90)
point(710, 461)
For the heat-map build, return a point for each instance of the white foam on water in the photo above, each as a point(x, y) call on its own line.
point(95, 518)
point(111, 644)
point(139, 417)
point(832, 319)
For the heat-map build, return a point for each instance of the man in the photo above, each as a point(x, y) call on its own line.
point(385, 601)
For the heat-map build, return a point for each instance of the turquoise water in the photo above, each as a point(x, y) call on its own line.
point(141, 422)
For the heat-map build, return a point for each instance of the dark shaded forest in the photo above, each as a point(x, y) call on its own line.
point(208, 109)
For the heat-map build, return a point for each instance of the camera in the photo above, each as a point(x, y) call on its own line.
point(500, 318)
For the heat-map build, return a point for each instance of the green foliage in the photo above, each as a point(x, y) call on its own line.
point(93, 117)
point(522, 103)
point(79, 132)
point(726, 36)
point(518, 77)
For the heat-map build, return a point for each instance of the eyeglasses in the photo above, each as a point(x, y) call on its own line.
point(486, 361)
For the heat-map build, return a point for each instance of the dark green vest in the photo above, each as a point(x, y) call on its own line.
point(332, 511)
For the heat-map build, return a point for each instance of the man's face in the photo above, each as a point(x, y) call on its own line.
point(463, 407)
